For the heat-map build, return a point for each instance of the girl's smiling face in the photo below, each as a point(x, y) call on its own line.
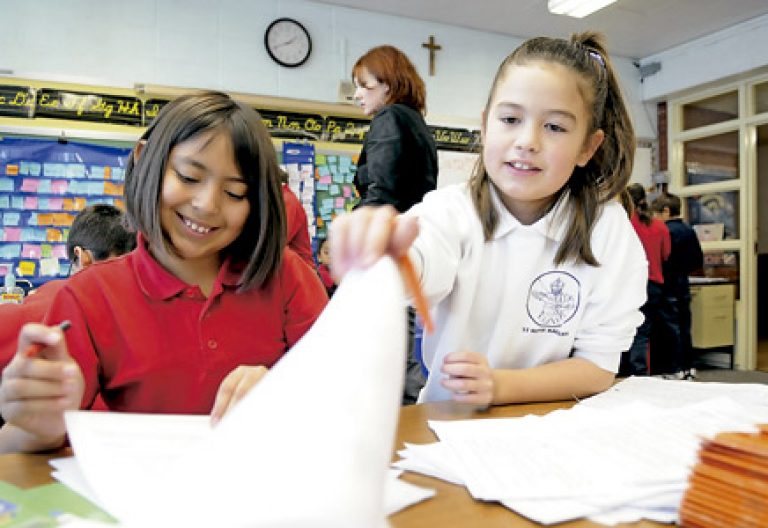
point(535, 132)
point(203, 202)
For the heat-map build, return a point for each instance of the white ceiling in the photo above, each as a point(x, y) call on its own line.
point(633, 28)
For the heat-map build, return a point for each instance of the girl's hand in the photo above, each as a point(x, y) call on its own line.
point(469, 378)
point(35, 391)
point(234, 387)
point(360, 238)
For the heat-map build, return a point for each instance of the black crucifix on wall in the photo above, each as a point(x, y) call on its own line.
point(432, 47)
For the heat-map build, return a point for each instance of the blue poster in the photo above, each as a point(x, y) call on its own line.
point(44, 183)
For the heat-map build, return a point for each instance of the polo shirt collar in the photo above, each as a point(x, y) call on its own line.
point(159, 283)
point(553, 225)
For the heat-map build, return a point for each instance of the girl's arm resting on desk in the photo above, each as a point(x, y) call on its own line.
point(35, 392)
point(567, 379)
point(471, 380)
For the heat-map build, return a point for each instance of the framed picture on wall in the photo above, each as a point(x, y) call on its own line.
point(714, 213)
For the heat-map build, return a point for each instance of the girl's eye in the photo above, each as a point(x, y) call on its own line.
point(236, 196)
point(554, 127)
point(184, 178)
point(510, 120)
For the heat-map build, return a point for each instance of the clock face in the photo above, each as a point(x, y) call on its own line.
point(288, 42)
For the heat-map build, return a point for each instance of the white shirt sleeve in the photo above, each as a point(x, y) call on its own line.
point(612, 313)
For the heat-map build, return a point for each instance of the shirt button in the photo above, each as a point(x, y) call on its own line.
point(212, 344)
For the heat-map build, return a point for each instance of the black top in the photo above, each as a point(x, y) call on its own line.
point(398, 163)
point(686, 255)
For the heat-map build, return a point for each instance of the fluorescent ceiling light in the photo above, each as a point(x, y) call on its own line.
point(576, 8)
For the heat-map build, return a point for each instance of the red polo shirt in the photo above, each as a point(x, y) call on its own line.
point(14, 316)
point(657, 244)
point(152, 343)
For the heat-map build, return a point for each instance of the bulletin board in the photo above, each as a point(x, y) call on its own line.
point(298, 161)
point(322, 179)
point(334, 191)
point(44, 183)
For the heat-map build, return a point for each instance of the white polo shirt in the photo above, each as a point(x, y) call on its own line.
point(506, 298)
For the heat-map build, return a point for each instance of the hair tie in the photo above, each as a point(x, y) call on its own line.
point(595, 55)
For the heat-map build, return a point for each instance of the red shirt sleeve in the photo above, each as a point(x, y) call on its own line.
point(305, 297)
point(14, 316)
point(298, 230)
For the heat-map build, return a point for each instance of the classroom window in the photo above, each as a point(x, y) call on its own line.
point(709, 111)
point(761, 98)
point(712, 158)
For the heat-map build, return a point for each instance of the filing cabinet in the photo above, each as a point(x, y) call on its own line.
point(712, 315)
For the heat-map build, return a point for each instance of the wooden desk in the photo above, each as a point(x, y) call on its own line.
point(451, 507)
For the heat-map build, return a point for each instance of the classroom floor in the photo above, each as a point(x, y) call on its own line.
point(760, 375)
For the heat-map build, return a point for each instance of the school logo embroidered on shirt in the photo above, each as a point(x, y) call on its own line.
point(553, 298)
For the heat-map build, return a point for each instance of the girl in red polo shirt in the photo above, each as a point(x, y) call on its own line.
point(192, 318)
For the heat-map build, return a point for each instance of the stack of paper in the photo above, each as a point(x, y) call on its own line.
point(729, 485)
point(310, 445)
point(611, 463)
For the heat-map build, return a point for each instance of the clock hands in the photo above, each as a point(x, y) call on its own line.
point(280, 45)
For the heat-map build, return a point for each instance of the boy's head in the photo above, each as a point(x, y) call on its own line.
point(666, 206)
point(98, 232)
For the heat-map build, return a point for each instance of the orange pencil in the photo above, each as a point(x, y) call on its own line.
point(35, 348)
point(412, 283)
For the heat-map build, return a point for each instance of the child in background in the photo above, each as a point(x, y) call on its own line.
point(98, 233)
point(323, 269)
point(684, 258)
point(296, 220)
point(533, 270)
point(658, 312)
point(193, 317)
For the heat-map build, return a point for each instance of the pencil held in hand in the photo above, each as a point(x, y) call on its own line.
point(412, 283)
point(35, 348)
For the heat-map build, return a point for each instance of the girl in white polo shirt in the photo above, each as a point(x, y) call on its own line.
point(533, 270)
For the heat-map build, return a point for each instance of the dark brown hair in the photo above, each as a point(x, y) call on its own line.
point(101, 229)
point(670, 201)
point(391, 66)
point(260, 244)
point(607, 173)
point(640, 202)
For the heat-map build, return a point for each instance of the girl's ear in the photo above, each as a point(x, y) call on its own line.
point(591, 145)
point(138, 148)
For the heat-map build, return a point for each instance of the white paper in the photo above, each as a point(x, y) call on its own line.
point(310, 445)
point(677, 393)
point(398, 494)
point(619, 461)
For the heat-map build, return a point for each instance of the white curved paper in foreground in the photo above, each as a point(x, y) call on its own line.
point(310, 445)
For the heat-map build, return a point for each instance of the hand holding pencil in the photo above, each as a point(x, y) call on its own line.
point(39, 384)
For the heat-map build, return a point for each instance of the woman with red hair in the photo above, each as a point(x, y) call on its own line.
point(398, 163)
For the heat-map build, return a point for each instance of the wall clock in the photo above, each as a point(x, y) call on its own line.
point(288, 42)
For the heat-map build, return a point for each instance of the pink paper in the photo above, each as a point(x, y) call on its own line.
point(12, 234)
point(29, 185)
